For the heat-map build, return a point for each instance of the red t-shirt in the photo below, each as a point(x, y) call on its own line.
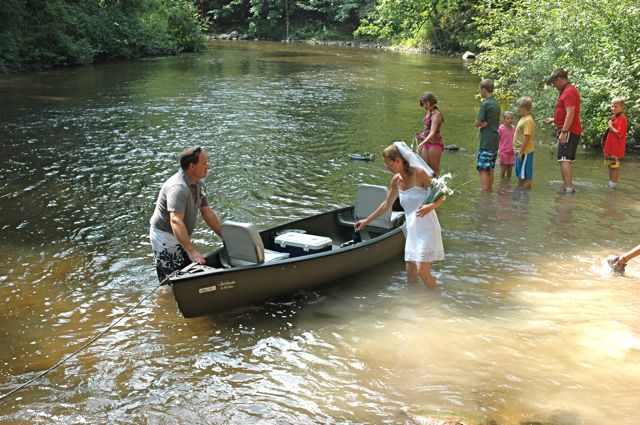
point(616, 143)
point(569, 96)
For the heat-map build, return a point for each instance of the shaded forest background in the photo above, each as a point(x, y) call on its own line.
point(519, 42)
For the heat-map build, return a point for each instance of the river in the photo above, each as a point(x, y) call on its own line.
point(526, 324)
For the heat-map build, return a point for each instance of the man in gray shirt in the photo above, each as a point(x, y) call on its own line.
point(174, 218)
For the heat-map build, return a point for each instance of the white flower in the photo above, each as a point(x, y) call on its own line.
point(439, 187)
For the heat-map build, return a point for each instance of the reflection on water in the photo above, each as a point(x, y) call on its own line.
point(526, 325)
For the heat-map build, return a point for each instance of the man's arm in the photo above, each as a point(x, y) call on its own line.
point(211, 219)
point(479, 123)
point(564, 131)
point(180, 232)
point(481, 118)
point(568, 121)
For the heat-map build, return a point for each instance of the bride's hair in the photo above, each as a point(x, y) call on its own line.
point(391, 152)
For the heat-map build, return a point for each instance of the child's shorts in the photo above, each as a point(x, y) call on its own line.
point(505, 158)
point(524, 168)
point(611, 161)
point(486, 160)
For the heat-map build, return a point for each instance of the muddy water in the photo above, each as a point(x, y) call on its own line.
point(526, 324)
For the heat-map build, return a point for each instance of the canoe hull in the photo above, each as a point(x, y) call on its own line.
point(218, 289)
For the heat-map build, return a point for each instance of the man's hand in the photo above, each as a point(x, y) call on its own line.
point(196, 257)
point(563, 137)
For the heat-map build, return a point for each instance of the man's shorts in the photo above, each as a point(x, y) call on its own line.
point(486, 160)
point(611, 161)
point(168, 253)
point(524, 168)
point(567, 152)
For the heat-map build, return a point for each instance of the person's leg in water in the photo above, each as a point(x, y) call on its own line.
point(424, 270)
point(432, 158)
point(486, 179)
point(614, 173)
point(412, 272)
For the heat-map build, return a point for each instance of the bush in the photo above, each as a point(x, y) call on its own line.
point(444, 24)
point(594, 41)
point(40, 33)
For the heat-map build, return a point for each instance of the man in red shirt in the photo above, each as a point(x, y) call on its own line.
point(567, 121)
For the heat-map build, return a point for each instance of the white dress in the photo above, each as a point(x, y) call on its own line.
point(424, 239)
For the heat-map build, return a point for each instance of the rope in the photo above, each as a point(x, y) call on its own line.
point(85, 345)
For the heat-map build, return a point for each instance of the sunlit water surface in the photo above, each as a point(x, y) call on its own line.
point(526, 324)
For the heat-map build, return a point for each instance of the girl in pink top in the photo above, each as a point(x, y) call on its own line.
point(430, 140)
point(505, 151)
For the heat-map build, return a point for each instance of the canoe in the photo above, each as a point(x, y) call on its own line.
point(225, 282)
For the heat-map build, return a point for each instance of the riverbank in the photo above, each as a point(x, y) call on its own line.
point(236, 36)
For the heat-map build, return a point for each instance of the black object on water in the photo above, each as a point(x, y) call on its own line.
point(362, 156)
point(356, 237)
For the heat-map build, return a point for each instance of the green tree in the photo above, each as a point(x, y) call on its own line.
point(36, 34)
point(444, 24)
point(224, 15)
point(277, 19)
point(593, 40)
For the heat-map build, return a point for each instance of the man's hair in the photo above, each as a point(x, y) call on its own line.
point(556, 74)
point(487, 84)
point(524, 102)
point(189, 156)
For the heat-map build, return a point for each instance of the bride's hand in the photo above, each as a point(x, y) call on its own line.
point(425, 209)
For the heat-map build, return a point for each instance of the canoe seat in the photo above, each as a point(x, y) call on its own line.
point(368, 198)
point(244, 245)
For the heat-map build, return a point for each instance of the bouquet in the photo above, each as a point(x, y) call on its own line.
point(439, 187)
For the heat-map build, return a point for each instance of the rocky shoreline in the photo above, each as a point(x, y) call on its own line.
point(234, 35)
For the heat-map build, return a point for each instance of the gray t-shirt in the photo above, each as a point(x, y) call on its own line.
point(179, 195)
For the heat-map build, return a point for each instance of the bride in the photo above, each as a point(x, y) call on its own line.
point(410, 181)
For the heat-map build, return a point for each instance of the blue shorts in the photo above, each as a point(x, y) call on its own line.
point(524, 168)
point(486, 160)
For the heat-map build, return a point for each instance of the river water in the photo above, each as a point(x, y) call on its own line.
point(526, 324)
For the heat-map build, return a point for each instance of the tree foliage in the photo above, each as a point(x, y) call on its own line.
point(279, 19)
point(594, 40)
point(444, 24)
point(42, 33)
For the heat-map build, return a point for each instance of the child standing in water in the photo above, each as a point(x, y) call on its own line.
point(505, 150)
point(410, 181)
point(616, 141)
point(431, 141)
point(523, 142)
point(488, 120)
